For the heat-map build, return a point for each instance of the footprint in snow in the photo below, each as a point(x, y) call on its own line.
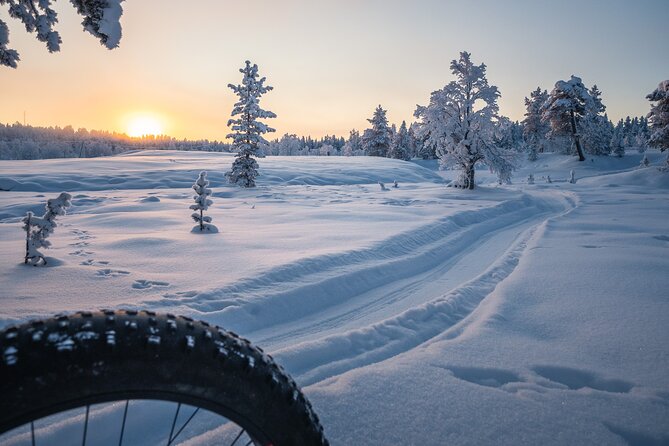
point(91, 262)
point(143, 284)
point(575, 379)
point(485, 377)
point(554, 378)
point(81, 234)
point(111, 272)
point(81, 253)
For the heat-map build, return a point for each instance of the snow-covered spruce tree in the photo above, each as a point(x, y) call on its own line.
point(459, 122)
point(101, 18)
point(534, 129)
point(617, 145)
point(401, 145)
point(376, 140)
point(658, 118)
point(565, 107)
point(247, 129)
point(38, 229)
point(416, 144)
point(202, 203)
point(597, 129)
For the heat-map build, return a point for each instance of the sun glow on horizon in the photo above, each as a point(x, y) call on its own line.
point(144, 125)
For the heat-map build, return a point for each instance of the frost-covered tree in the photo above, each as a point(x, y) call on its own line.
point(459, 122)
point(101, 18)
point(247, 128)
point(422, 149)
point(376, 140)
point(534, 129)
point(202, 202)
point(353, 147)
point(565, 107)
point(508, 135)
point(658, 118)
point(327, 150)
point(597, 130)
point(288, 145)
point(416, 144)
point(401, 145)
point(616, 144)
point(38, 229)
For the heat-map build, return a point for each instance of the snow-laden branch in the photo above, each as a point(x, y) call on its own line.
point(101, 19)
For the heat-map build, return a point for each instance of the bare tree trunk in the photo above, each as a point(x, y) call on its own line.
point(577, 138)
point(201, 222)
point(470, 177)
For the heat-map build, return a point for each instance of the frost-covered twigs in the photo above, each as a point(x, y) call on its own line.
point(247, 129)
point(101, 18)
point(38, 229)
point(202, 203)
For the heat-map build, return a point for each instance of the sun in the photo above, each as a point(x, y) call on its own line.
point(143, 125)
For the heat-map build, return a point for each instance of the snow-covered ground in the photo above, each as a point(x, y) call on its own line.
point(519, 314)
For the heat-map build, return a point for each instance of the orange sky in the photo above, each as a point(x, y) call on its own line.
point(330, 62)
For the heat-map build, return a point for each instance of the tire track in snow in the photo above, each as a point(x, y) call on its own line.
point(310, 285)
point(465, 263)
point(316, 360)
point(336, 354)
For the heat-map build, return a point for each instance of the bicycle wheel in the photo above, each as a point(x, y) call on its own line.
point(54, 365)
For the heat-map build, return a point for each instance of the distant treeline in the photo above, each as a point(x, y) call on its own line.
point(21, 142)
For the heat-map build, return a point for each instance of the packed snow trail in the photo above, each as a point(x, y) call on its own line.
point(298, 289)
point(362, 306)
point(398, 295)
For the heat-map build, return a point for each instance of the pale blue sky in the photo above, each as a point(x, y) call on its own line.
point(331, 62)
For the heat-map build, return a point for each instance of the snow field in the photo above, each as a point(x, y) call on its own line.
point(521, 314)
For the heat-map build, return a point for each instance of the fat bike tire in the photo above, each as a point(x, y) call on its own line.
point(68, 361)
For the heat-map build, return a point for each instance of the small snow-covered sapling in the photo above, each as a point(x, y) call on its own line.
point(38, 229)
point(530, 179)
point(202, 201)
point(644, 161)
point(383, 186)
point(572, 177)
point(395, 185)
point(548, 179)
